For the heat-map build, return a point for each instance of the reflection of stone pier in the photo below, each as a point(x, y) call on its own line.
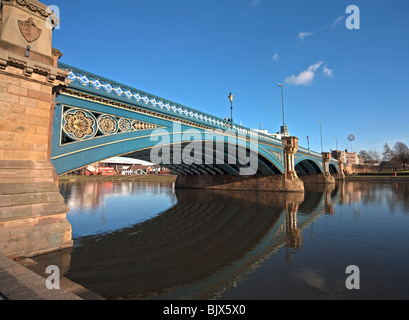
point(329, 207)
point(293, 233)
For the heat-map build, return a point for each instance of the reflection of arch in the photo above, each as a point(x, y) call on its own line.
point(183, 245)
point(319, 197)
point(198, 248)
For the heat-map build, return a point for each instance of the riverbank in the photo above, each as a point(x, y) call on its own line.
point(377, 178)
point(172, 178)
point(150, 177)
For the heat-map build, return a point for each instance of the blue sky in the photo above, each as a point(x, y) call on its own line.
point(195, 52)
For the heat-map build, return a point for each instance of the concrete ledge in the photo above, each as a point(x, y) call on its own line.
point(19, 283)
point(65, 283)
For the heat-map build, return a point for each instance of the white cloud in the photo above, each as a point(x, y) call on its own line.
point(304, 78)
point(253, 3)
point(337, 21)
point(327, 71)
point(276, 57)
point(302, 35)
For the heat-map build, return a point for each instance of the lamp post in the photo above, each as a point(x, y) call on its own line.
point(231, 97)
point(308, 142)
point(321, 135)
point(284, 127)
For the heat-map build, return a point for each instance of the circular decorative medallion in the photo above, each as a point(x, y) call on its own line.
point(107, 124)
point(124, 125)
point(79, 124)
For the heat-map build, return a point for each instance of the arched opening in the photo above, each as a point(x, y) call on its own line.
point(307, 167)
point(332, 169)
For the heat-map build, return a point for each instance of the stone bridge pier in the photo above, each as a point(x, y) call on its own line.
point(287, 182)
point(341, 161)
point(32, 210)
point(326, 157)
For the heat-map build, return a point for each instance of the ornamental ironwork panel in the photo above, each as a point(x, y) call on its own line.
point(79, 124)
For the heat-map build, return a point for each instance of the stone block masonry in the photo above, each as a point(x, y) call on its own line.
point(236, 182)
point(32, 210)
point(26, 119)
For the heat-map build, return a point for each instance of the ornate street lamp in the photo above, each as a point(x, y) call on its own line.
point(321, 136)
point(284, 127)
point(231, 97)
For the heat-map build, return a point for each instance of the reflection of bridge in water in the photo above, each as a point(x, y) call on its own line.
point(91, 194)
point(198, 248)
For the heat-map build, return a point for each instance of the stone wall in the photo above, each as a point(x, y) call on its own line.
point(237, 182)
point(317, 178)
point(26, 108)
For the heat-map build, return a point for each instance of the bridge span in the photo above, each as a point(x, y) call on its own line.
point(97, 118)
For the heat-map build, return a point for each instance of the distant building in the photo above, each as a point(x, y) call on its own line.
point(120, 164)
point(350, 157)
point(124, 165)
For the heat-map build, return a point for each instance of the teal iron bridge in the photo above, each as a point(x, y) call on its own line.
point(96, 118)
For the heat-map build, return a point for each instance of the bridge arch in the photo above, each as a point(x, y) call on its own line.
point(332, 169)
point(308, 166)
point(72, 150)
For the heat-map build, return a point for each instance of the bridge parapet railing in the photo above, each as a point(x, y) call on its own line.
point(92, 83)
point(314, 153)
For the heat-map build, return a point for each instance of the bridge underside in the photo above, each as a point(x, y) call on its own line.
point(307, 167)
point(200, 159)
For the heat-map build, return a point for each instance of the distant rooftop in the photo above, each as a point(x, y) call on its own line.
point(125, 160)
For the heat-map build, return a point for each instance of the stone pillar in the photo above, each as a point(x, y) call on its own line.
point(341, 160)
point(290, 148)
point(326, 157)
point(32, 210)
point(291, 180)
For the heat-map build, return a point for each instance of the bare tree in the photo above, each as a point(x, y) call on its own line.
point(387, 153)
point(402, 153)
point(375, 156)
point(365, 155)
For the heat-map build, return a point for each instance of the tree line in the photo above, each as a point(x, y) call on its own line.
point(390, 158)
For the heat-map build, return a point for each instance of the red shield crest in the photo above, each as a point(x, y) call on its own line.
point(29, 30)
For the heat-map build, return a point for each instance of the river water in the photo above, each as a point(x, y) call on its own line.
point(146, 240)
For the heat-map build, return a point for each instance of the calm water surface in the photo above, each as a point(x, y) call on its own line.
point(146, 240)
